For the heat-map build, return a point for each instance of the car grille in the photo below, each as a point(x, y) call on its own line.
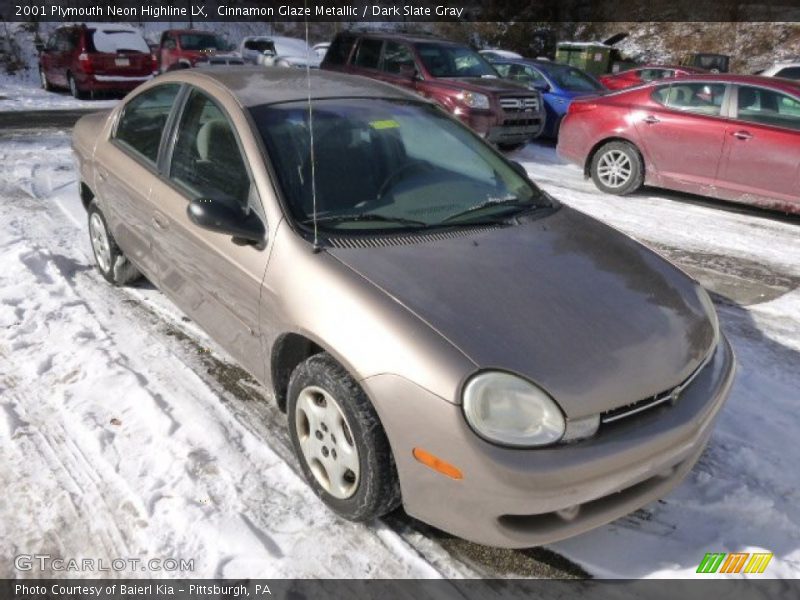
point(530, 103)
point(671, 396)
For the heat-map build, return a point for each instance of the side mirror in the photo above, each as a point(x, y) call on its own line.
point(519, 169)
point(227, 217)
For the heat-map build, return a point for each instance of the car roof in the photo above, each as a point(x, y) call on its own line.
point(255, 85)
point(787, 85)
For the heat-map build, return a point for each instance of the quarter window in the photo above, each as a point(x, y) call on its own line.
point(369, 53)
point(206, 159)
point(700, 98)
point(768, 107)
point(144, 118)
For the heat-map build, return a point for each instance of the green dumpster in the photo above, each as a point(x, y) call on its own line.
point(592, 57)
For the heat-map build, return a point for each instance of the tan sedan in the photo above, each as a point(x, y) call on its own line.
point(441, 332)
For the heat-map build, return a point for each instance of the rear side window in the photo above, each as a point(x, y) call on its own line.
point(789, 73)
point(700, 98)
point(339, 52)
point(368, 53)
point(143, 120)
point(768, 107)
point(206, 159)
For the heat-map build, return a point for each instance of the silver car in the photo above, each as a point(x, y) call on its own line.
point(441, 332)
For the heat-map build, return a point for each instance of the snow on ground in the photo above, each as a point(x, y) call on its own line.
point(19, 94)
point(114, 441)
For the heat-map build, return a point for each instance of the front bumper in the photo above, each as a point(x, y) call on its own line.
point(521, 498)
point(508, 128)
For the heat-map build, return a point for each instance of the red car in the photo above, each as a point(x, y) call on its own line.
point(183, 48)
point(645, 74)
point(732, 137)
point(83, 59)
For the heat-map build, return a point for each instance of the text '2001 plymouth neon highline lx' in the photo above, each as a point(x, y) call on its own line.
point(441, 332)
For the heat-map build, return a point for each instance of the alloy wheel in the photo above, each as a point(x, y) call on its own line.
point(100, 243)
point(614, 168)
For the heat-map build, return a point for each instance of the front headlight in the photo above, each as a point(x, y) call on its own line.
point(509, 410)
point(474, 100)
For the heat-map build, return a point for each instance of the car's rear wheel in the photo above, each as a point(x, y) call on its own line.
point(617, 168)
point(44, 81)
point(110, 261)
point(73, 87)
point(339, 441)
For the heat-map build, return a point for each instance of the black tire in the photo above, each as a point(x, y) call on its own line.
point(378, 489)
point(629, 182)
point(73, 87)
point(116, 268)
point(44, 82)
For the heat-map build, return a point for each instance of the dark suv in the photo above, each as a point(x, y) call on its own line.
point(455, 76)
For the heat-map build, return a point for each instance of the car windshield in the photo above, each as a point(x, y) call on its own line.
point(572, 79)
point(202, 41)
point(381, 164)
point(444, 60)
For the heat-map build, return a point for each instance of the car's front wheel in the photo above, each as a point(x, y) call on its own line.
point(617, 168)
point(339, 441)
point(73, 87)
point(110, 261)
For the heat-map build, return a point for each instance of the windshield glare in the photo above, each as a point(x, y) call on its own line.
point(384, 164)
point(443, 60)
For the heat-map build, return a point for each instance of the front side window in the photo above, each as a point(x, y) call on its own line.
point(397, 59)
point(768, 107)
point(700, 98)
point(382, 164)
point(206, 159)
point(444, 60)
point(368, 54)
point(143, 120)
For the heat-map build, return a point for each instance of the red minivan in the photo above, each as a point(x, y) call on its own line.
point(87, 59)
point(732, 137)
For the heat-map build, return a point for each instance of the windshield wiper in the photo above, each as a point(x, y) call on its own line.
point(513, 202)
point(366, 217)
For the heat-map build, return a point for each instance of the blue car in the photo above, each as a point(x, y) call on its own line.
point(558, 83)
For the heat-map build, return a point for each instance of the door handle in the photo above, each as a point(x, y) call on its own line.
point(160, 222)
point(651, 120)
point(742, 135)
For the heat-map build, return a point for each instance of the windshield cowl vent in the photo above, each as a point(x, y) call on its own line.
point(404, 239)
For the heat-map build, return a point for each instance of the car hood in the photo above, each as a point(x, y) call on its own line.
point(593, 317)
point(486, 84)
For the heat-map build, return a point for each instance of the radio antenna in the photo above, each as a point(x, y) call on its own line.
point(311, 137)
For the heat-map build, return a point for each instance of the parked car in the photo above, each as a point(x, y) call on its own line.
point(278, 51)
point(103, 57)
point(788, 69)
point(713, 63)
point(455, 76)
point(732, 137)
point(183, 48)
point(440, 331)
point(220, 60)
point(492, 54)
point(321, 49)
point(645, 74)
point(559, 84)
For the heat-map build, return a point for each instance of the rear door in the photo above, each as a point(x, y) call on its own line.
point(683, 132)
point(214, 280)
point(762, 154)
point(127, 167)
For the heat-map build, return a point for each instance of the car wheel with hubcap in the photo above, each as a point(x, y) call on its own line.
point(339, 441)
point(617, 168)
point(110, 261)
point(73, 87)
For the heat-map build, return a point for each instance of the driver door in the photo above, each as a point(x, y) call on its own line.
point(214, 280)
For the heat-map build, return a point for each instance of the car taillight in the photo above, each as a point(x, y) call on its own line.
point(579, 107)
point(86, 62)
point(154, 63)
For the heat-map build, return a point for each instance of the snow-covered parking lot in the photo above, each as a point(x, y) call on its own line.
point(126, 432)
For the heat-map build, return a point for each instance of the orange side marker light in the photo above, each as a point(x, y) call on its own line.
point(437, 464)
